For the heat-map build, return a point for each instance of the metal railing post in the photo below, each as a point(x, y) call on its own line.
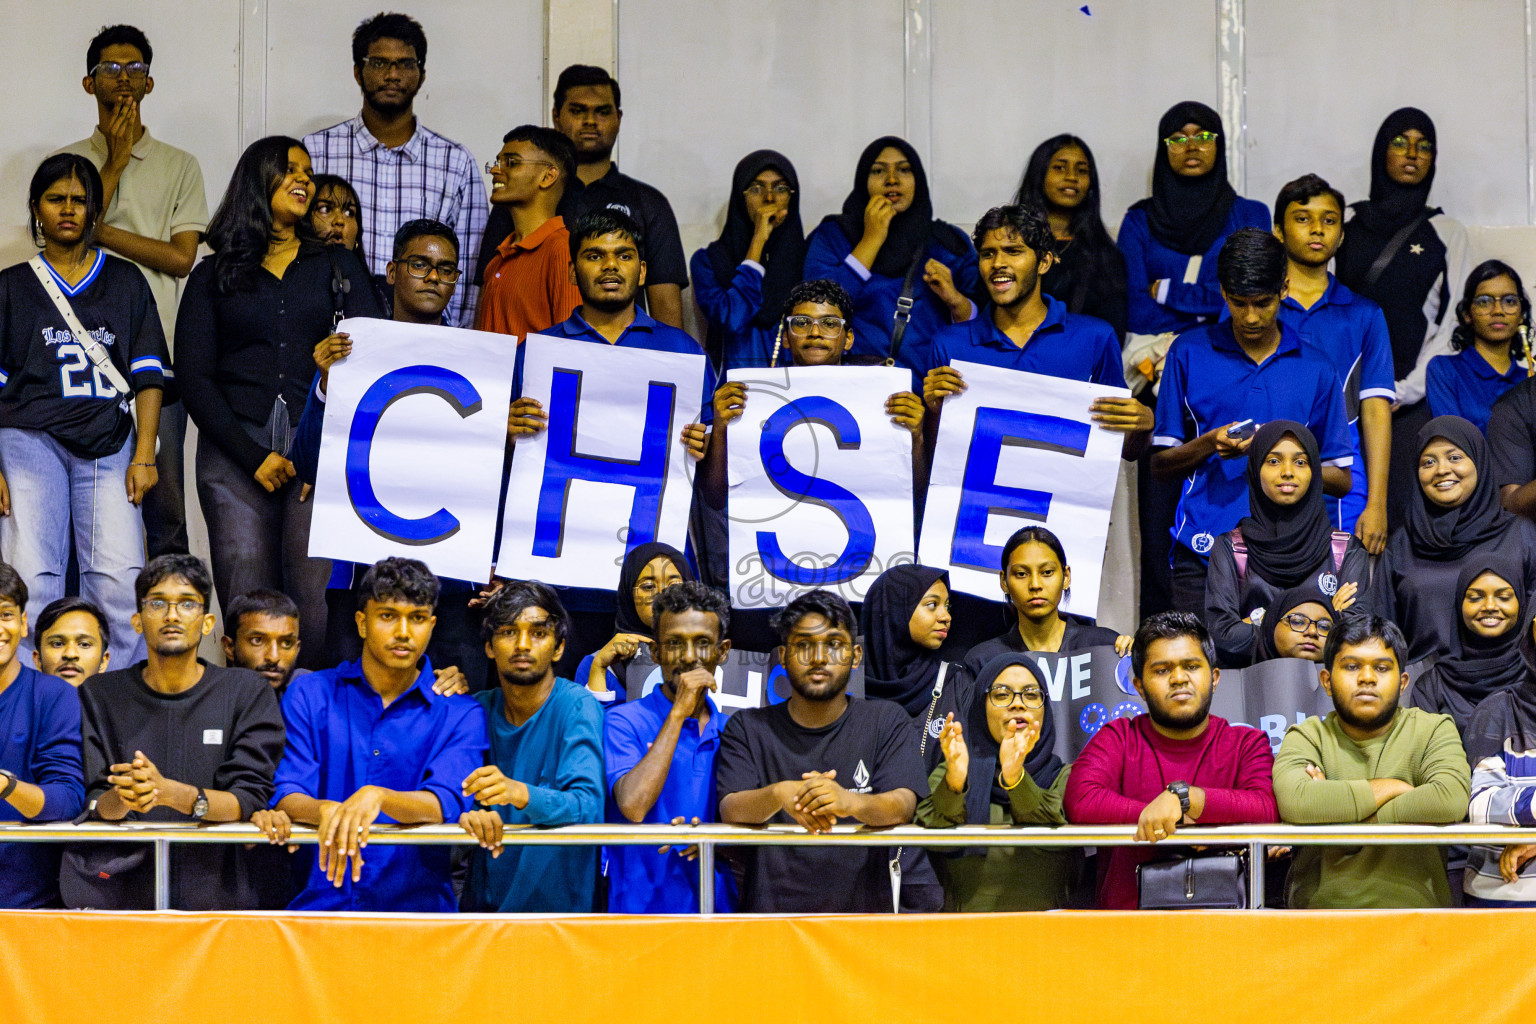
point(1256, 876)
point(162, 874)
point(706, 878)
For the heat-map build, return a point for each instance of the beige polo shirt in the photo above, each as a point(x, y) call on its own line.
point(160, 194)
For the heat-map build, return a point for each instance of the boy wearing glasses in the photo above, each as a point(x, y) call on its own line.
point(401, 170)
point(544, 767)
point(154, 213)
point(1174, 766)
point(527, 286)
point(173, 738)
point(815, 759)
point(1370, 761)
point(660, 755)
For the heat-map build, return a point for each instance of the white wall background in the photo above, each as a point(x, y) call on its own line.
point(973, 84)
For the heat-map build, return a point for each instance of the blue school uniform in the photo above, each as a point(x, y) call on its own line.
point(732, 311)
point(1181, 304)
point(1068, 345)
point(1463, 384)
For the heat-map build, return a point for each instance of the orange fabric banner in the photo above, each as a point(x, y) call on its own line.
point(1064, 967)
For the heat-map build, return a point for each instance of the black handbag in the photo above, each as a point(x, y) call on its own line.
point(1209, 880)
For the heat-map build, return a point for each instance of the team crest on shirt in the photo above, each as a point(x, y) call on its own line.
point(1202, 543)
point(935, 726)
point(1328, 583)
point(861, 778)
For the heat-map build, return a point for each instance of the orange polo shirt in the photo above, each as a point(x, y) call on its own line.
point(528, 285)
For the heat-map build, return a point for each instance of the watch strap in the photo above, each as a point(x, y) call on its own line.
point(200, 804)
point(1180, 790)
point(10, 783)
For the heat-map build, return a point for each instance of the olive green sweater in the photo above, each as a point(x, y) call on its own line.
point(1422, 749)
point(1007, 877)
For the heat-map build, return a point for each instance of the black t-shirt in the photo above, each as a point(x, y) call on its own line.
point(1512, 435)
point(872, 747)
point(49, 381)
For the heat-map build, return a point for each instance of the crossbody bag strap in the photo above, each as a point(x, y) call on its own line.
point(1388, 251)
point(904, 303)
point(93, 348)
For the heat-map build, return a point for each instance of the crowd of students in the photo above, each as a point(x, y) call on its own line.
point(1333, 465)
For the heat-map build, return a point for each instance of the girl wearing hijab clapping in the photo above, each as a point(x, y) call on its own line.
point(886, 242)
point(1454, 521)
point(1286, 541)
point(742, 278)
point(1000, 768)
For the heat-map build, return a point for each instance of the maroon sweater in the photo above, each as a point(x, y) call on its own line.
point(1128, 763)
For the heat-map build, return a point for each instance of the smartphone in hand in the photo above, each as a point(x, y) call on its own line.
point(1242, 431)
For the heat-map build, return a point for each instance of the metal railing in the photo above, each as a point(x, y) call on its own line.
point(1257, 838)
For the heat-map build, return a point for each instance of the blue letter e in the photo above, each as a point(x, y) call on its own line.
point(386, 391)
point(980, 493)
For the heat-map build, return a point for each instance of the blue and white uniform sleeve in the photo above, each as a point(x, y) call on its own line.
point(1376, 360)
point(1170, 428)
point(1497, 799)
point(1330, 424)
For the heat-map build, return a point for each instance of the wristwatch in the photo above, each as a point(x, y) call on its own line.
point(200, 805)
point(10, 783)
point(1180, 790)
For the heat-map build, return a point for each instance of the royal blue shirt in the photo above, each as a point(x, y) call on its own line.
point(341, 738)
point(1184, 303)
point(1065, 344)
point(829, 254)
point(1463, 384)
point(558, 755)
point(1351, 332)
point(1208, 382)
point(40, 742)
point(640, 880)
point(732, 311)
point(644, 332)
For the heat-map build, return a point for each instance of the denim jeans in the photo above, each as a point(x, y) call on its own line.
point(52, 490)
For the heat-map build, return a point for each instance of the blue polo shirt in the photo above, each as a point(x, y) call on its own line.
point(1463, 384)
point(1065, 344)
point(40, 743)
point(341, 738)
point(1351, 332)
point(1208, 382)
point(640, 880)
point(644, 332)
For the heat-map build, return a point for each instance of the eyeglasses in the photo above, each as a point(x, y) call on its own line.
point(1485, 303)
point(676, 648)
point(1182, 141)
point(801, 325)
point(383, 64)
point(1401, 144)
point(512, 163)
point(416, 266)
point(779, 189)
point(1299, 623)
point(834, 651)
point(324, 208)
point(187, 606)
point(136, 71)
point(1003, 696)
point(650, 587)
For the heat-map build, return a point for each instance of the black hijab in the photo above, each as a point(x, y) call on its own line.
point(1188, 214)
point(1042, 764)
point(1393, 204)
point(1285, 603)
point(897, 668)
point(1286, 543)
point(626, 619)
point(1455, 685)
point(784, 253)
point(912, 229)
point(1448, 534)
